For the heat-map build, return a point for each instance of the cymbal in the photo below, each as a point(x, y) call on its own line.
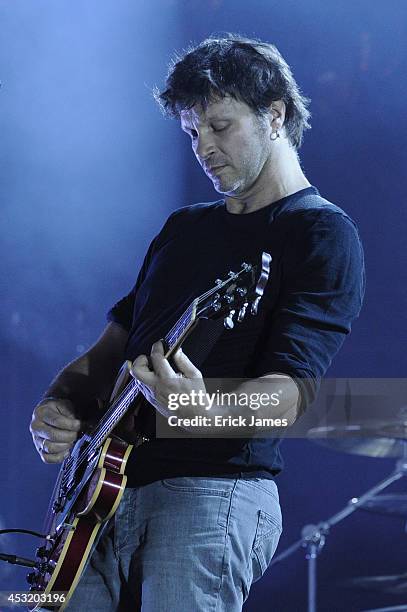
point(371, 438)
point(395, 585)
point(402, 608)
point(393, 504)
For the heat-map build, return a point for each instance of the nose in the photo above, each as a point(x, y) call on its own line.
point(204, 147)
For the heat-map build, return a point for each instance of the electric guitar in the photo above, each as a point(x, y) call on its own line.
point(91, 480)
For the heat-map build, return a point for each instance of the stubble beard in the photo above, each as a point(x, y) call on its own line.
point(229, 187)
point(250, 166)
point(231, 183)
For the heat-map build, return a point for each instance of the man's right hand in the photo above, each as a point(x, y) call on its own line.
point(54, 429)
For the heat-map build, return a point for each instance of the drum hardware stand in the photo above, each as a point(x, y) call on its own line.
point(314, 536)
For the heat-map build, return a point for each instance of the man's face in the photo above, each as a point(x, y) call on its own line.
point(230, 142)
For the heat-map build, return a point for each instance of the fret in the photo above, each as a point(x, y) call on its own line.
point(209, 303)
point(80, 480)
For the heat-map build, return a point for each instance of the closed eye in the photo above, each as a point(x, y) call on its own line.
point(219, 129)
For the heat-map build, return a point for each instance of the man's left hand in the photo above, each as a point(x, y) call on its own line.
point(163, 380)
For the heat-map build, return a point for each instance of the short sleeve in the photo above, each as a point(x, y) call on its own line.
point(322, 289)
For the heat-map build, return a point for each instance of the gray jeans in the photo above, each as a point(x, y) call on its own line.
point(194, 544)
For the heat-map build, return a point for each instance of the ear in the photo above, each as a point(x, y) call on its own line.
point(277, 115)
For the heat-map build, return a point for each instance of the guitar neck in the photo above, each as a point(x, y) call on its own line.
point(134, 388)
point(220, 301)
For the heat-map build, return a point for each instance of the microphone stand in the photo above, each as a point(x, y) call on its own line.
point(313, 537)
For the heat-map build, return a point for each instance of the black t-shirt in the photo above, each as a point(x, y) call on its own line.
point(315, 290)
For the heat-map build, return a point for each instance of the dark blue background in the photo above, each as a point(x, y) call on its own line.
point(88, 172)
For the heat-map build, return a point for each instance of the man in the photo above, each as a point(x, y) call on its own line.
point(200, 520)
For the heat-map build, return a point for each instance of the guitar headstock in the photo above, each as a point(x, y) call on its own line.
point(234, 296)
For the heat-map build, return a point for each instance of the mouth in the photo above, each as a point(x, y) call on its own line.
point(215, 169)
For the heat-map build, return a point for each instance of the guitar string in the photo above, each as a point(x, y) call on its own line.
point(117, 408)
point(176, 332)
point(130, 394)
point(120, 406)
point(171, 341)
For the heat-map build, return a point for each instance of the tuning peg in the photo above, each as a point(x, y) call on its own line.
point(57, 506)
point(241, 291)
point(31, 577)
point(228, 321)
point(41, 552)
point(254, 306)
point(242, 312)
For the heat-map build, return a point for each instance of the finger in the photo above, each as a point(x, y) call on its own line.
point(140, 370)
point(53, 458)
point(53, 448)
point(64, 406)
point(185, 365)
point(62, 423)
point(160, 364)
point(41, 430)
point(158, 348)
point(50, 413)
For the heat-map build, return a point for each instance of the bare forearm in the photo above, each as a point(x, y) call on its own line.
point(82, 378)
point(67, 407)
point(93, 373)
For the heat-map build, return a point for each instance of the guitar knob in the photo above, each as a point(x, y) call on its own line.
point(228, 322)
point(31, 577)
point(41, 552)
point(242, 312)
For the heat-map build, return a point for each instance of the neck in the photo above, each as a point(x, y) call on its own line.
point(281, 176)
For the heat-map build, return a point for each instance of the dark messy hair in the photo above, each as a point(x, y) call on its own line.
point(248, 70)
